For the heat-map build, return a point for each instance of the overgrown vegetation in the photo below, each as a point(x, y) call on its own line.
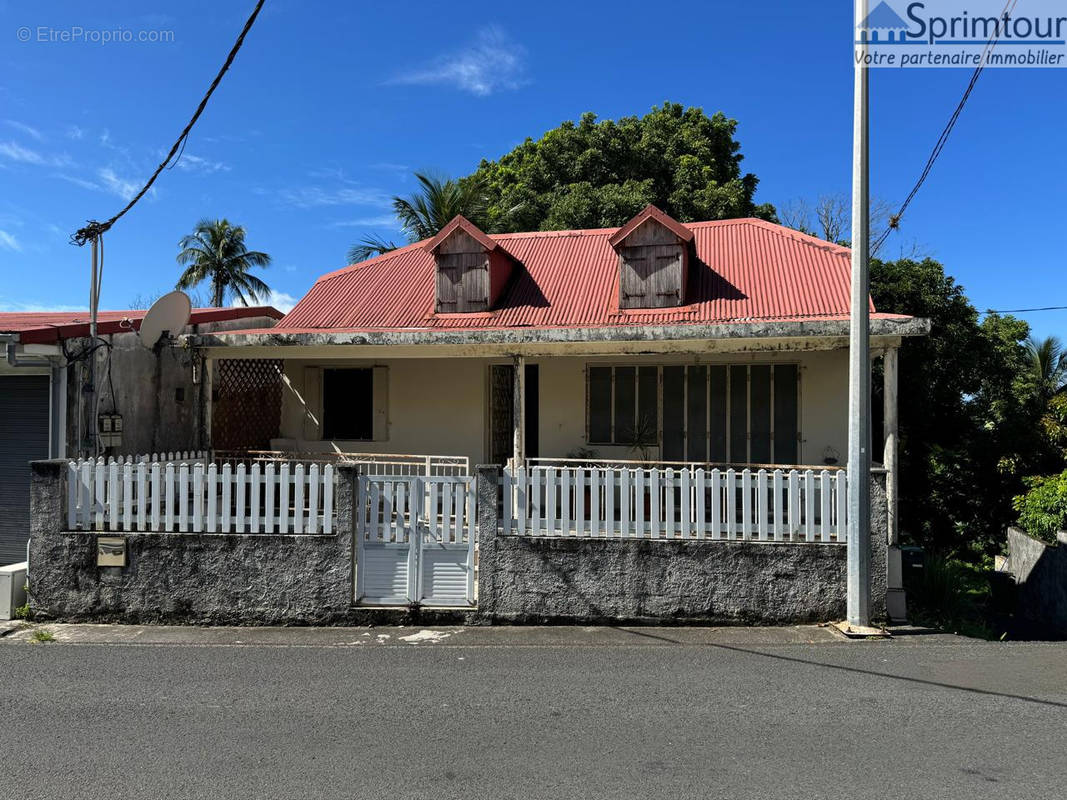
point(1043, 509)
point(40, 636)
point(954, 596)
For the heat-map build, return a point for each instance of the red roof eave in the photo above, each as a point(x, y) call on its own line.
point(49, 328)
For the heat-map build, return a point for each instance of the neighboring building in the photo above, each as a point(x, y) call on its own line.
point(44, 413)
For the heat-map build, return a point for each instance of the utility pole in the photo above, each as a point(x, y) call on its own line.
point(859, 354)
point(90, 387)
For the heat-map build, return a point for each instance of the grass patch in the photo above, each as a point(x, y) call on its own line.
point(40, 636)
point(952, 595)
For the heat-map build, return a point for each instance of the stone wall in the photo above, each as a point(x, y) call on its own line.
point(531, 579)
point(1040, 572)
point(217, 579)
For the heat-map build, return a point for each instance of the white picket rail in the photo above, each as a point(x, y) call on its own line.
point(177, 458)
point(197, 498)
point(765, 505)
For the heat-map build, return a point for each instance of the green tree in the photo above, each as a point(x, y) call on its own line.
point(421, 215)
point(967, 432)
point(216, 252)
point(599, 173)
point(1048, 365)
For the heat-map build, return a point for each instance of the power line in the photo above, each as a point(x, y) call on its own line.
point(93, 229)
point(894, 220)
point(1024, 310)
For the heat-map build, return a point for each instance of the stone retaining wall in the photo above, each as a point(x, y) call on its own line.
point(219, 579)
point(532, 579)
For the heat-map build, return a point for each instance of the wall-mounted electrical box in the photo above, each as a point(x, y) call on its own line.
point(109, 430)
point(111, 551)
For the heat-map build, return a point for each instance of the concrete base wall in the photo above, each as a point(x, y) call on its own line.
point(192, 578)
point(585, 580)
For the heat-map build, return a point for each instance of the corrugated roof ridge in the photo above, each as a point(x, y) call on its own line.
point(379, 259)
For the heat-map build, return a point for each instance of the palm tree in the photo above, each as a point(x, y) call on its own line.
point(369, 247)
point(215, 251)
point(436, 202)
point(1048, 360)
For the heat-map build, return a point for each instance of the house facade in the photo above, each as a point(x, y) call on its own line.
point(628, 424)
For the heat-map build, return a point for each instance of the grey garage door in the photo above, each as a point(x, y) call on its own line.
point(23, 438)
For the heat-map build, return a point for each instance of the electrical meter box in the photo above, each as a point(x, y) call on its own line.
point(111, 551)
point(109, 430)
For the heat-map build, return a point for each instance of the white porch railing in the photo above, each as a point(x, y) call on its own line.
point(372, 463)
point(194, 498)
point(765, 505)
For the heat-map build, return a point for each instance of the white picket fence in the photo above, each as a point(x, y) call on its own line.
point(775, 505)
point(191, 497)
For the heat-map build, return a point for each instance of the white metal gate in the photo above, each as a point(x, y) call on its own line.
point(415, 539)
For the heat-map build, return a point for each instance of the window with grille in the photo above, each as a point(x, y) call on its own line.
point(713, 413)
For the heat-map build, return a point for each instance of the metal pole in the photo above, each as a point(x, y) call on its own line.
point(90, 393)
point(859, 360)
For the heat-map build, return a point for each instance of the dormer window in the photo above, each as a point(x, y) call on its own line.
point(653, 252)
point(471, 269)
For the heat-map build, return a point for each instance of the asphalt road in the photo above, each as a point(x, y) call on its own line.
point(528, 718)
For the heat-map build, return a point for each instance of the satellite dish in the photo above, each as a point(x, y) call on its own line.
point(168, 315)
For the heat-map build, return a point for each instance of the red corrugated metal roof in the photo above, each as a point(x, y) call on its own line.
point(745, 269)
point(43, 327)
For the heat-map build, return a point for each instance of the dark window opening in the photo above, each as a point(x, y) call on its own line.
point(348, 404)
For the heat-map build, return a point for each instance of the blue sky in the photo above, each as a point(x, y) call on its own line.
point(330, 106)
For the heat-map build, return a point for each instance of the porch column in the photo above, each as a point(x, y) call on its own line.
point(518, 415)
point(896, 607)
point(889, 428)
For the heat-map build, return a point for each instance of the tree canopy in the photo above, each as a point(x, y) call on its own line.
point(967, 431)
point(600, 173)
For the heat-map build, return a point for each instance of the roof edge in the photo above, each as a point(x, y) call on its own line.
point(761, 329)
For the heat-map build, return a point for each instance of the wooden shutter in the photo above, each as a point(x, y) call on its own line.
point(312, 395)
point(381, 404)
point(664, 282)
point(633, 282)
point(449, 274)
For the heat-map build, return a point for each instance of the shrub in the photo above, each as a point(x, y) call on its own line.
point(1043, 509)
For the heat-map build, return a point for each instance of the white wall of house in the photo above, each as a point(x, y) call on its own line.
point(440, 406)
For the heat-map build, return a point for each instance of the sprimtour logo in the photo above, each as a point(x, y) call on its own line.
point(963, 33)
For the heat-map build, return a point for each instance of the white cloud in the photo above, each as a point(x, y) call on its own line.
point(280, 300)
point(21, 307)
point(382, 221)
point(26, 129)
point(74, 132)
point(317, 196)
point(191, 163)
point(17, 152)
point(9, 242)
point(491, 63)
point(24, 155)
point(111, 182)
point(82, 182)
